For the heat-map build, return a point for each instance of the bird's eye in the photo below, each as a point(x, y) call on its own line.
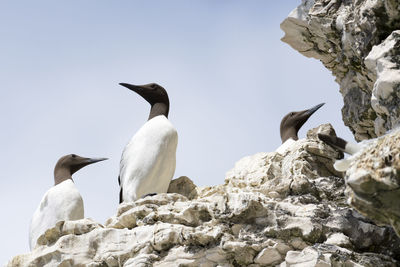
point(73, 155)
point(291, 113)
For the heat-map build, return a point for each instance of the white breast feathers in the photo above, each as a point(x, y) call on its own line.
point(148, 161)
point(61, 202)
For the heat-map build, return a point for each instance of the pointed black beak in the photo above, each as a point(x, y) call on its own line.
point(82, 162)
point(135, 88)
point(94, 160)
point(311, 111)
point(87, 161)
point(142, 90)
point(303, 116)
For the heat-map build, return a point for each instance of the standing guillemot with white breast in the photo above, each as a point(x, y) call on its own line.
point(291, 124)
point(149, 159)
point(61, 202)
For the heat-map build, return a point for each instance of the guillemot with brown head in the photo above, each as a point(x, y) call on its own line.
point(62, 201)
point(149, 159)
point(291, 124)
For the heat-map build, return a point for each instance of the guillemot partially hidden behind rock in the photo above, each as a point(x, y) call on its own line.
point(342, 145)
point(291, 124)
point(62, 201)
point(148, 161)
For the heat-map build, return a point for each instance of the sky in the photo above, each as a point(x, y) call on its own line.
point(229, 78)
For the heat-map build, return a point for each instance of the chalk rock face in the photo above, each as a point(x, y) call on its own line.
point(273, 210)
point(373, 180)
point(359, 42)
point(299, 170)
point(184, 186)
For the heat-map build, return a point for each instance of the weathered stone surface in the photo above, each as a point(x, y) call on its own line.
point(184, 186)
point(359, 42)
point(240, 223)
point(299, 170)
point(339, 239)
point(329, 255)
point(268, 256)
point(374, 182)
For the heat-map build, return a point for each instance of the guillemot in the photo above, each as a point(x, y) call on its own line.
point(342, 145)
point(291, 124)
point(149, 159)
point(62, 201)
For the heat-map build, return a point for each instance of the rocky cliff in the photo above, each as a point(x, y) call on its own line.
point(373, 180)
point(272, 210)
point(359, 42)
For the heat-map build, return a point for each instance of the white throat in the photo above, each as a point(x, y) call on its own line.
point(283, 148)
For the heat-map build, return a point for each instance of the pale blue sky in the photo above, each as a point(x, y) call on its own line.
point(229, 77)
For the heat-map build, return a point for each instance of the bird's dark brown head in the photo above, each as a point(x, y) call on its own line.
point(69, 164)
point(292, 122)
point(155, 94)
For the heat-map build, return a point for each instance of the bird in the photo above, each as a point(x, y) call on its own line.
point(291, 124)
point(341, 145)
point(149, 159)
point(62, 201)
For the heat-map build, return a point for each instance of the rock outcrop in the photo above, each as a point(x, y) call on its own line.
point(272, 210)
point(373, 180)
point(359, 42)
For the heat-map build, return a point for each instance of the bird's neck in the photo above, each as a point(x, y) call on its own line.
point(290, 133)
point(159, 109)
point(61, 175)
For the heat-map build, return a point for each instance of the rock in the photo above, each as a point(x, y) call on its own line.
point(62, 228)
point(339, 239)
point(234, 224)
point(268, 256)
point(324, 129)
point(308, 257)
point(373, 180)
point(184, 186)
point(359, 42)
point(383, 64)
point(278, 175)
point(329, 255)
